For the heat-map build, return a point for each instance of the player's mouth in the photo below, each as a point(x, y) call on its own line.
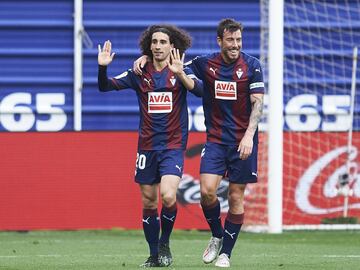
point(233, 52)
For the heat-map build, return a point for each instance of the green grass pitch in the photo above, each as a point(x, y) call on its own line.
point(118, 249)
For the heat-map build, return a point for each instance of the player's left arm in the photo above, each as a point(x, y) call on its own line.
point(246, 144)
point(256, 88)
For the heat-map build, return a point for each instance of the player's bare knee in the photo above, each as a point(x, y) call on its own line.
point(207, 191)
point(208, 198)
point(168, 199)
point(149, 202)
point(236, 192)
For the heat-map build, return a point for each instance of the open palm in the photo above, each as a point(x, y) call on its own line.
point(105, 56)
point(177, 62)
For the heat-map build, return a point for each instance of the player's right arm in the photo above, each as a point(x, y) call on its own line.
point(105, 57)
point(122, 81)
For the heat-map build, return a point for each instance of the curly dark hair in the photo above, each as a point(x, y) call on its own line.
point(178, 37)
point(230, 25)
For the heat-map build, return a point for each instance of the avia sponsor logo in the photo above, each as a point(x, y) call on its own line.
point(225, 90)
point(304, 193)
point(159, 102)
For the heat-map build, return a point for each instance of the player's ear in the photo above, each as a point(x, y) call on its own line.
point(219, 41)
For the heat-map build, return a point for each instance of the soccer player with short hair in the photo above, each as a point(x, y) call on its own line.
point(163, 130)
point(233, 104)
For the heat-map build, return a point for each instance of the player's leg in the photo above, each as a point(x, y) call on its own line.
point(210, 204)
point(151, 225)
point(170, 168)
point(233, 223)
point(148, 180)
point(168, 188)
point(212, 169)
point(240, 172)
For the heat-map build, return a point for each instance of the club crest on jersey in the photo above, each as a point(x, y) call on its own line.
point(225, 90)
point(239, 73)
point(159, 102)
point(172, 80)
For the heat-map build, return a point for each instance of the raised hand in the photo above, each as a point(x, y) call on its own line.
point(105, 56)
point(176, 63)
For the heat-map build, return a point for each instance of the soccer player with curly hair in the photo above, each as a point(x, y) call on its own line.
point(163, 130)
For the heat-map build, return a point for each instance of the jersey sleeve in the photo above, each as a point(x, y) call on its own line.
point(198, 87)
point(196, 66)
point(256, 83)
point(123, 81)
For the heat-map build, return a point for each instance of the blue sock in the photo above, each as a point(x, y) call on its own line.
point(232, 228)
point(212, 215)
point(168, 217)
point(151, 228)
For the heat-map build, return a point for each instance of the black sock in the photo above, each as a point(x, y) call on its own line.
point(168, 217)
point(232, 228)
point(151, 228)
point(212, 215)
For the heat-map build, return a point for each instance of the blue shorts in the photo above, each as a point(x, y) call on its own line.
point(224, 160)
point(152, 165)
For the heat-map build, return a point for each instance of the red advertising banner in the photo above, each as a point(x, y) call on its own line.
point(68, 181)
point(84, 180)
point(313, 165)
point(75, 180)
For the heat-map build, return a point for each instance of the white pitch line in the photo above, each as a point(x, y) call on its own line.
point(144, 255)
point(68, 255)
point(341, 256)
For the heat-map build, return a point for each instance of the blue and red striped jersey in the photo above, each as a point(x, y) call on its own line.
point(226, 97)
point(162, 103)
